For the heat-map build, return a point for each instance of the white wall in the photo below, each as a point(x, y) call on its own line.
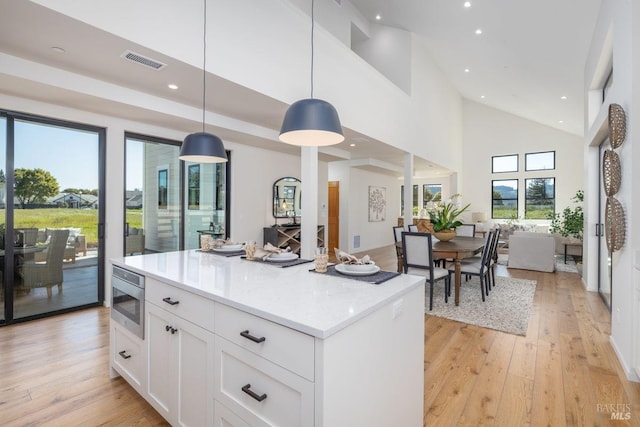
point(489, 132)
point(354, 201)
point(256, 35)
point(388, 49)
point(622, 22)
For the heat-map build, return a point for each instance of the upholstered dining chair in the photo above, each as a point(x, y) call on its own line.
point(417, 255)
point(413, 228)
point(466, 230)
point(49, 273)
point(478, 267)
point(397, 236)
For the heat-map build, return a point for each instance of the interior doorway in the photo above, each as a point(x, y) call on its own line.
point(333, 236)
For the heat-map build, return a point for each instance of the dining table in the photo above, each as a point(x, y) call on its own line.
point(457, 249)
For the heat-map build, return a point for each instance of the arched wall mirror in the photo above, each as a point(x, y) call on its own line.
point(286, 198)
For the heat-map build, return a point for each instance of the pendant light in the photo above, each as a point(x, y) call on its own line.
point(311, 122)
point(202, 147)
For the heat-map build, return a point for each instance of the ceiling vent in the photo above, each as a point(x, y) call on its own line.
point(143, 60)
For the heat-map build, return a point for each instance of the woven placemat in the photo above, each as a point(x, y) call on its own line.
point(375, 279)
point(224, 254)
point(283, 264)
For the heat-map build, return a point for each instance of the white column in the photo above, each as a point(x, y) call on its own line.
point(408, 189)
point(309, 195)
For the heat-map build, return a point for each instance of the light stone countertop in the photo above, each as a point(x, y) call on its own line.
point(313, 303)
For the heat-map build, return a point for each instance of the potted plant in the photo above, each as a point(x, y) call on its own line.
point(444, 219)
point(570, 222)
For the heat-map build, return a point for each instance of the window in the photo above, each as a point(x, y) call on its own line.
point(540, 198)
point(504, 204)
point(540, 161)
point(194, 187)
point(415, 200)
point(163, 181)
point(431, 193)
point(507, 163)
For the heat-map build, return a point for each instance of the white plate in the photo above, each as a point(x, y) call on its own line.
point(349, 269)
point(285, 256)
point(228, 248)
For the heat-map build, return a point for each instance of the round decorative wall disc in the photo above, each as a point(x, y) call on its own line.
point(614, 224)
point(617, 125)
point(611, 172)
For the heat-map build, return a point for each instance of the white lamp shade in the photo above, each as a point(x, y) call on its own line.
point(478, 216)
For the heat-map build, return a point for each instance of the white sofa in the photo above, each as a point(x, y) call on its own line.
point(532, 251)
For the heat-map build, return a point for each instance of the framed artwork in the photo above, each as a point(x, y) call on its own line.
point(377, 203)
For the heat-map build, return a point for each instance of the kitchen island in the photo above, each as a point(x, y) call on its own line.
point(248, 343)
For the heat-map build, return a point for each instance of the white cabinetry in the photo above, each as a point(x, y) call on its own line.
point(129, 357)
point(180, 374)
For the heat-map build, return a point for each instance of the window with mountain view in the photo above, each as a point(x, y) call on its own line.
point(540, 198)
point(504, 199)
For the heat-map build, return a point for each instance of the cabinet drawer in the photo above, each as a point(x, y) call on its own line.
point(290, 349)
point(225, 418)
point(192, 307)
point(260, 392)
point(128, 357)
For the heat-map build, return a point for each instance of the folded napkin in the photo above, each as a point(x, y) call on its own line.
point(346, 258)
point(217, 244)
point(269, 249)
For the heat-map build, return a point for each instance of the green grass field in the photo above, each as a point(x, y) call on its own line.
point(86, 219)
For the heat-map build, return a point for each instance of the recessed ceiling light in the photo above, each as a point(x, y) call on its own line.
point(466, 70)
point(563, 97)
point(481, 96)
point(561, 121)
point(378, 17)
point(172, 86)
point(479, 31)
point(352, 145)
point(467, 4)
point(57, 49)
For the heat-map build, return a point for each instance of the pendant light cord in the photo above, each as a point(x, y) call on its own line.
point(312, 27)
point(204, 63)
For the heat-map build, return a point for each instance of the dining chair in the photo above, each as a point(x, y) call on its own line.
point(397, 236)
point(413, 228)
point(418, 259)
point(466, 230)
point(477, 267)
point(493, 257)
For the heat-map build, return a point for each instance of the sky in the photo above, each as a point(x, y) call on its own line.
point(70, 155)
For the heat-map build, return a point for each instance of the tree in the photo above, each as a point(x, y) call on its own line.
point(497, 198)
point(34, 186)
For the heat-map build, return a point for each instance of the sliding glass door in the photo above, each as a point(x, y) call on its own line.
point(169, 202)
point(52, 178)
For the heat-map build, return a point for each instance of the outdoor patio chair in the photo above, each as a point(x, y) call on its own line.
point(48, 274)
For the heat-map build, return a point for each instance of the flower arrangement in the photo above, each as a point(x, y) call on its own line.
point(444, 215)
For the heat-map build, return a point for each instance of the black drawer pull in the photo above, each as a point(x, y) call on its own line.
point(259, 398)
point(168, 301)
point(170, 328)
point(124, 354)
point(248, 336)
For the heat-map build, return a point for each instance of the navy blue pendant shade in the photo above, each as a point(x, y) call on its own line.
point(202, 147)
point(311, 122)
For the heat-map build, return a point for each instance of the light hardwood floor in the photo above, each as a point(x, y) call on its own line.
point(54, 372)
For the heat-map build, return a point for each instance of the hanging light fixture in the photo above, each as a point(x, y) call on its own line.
point(311, 122)
point(202, 147)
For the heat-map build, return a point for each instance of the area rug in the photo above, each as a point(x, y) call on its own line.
point(506, 308)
